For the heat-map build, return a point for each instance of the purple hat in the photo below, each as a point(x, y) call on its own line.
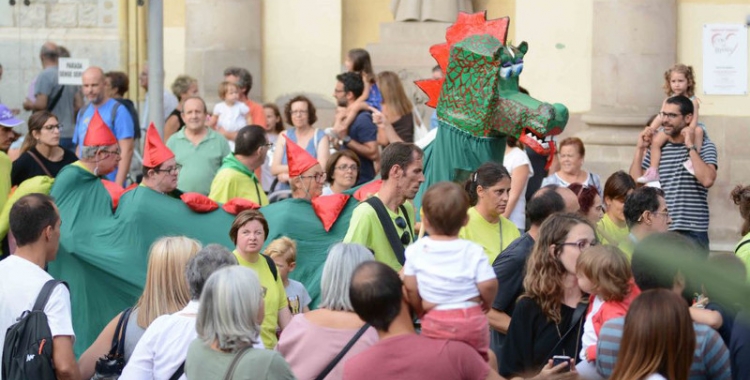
point(7, 119)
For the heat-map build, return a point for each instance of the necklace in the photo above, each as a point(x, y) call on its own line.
point(559, 335)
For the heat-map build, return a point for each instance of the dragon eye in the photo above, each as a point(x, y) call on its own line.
point(505, 72)
point(517, 68)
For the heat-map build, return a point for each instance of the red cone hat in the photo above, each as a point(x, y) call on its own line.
point(154, 150)
point(298, 159)
point(98, 133)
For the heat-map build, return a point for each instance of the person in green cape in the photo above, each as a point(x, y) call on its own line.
point(160, 169)
point(236, 177)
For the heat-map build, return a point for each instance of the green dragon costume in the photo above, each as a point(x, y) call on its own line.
point(103, 253)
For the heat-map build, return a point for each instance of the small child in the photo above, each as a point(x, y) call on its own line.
point(358, 62)
point(283, 252)
point(679, 80)
point(230, 115)
point(449, 281)
point(603, 271)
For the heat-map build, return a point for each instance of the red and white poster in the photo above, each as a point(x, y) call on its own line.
point(725, 59)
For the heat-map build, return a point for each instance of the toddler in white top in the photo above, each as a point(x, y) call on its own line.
point(449, 280)
point(230, 115)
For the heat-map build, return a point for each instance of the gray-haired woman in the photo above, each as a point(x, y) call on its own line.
point(228, 325)
point(311, 340)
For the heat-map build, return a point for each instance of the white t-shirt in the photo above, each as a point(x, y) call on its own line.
point(20, 284)
point(515, 157)
point(589, 334)
point(231, 118)
point(164, 346)
point(447, 271)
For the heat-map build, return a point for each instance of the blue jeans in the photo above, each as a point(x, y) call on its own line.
point(699, 237)
point(67, 144)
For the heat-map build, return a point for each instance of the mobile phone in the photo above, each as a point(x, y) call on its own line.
point(557, 359)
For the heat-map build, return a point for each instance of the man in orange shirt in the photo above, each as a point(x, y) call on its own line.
point(243, 79)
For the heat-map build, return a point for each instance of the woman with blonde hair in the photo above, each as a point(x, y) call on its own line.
point(166, 291)
point(184, 87)
point(658, 339)
point(548, 318)
point(397, 110)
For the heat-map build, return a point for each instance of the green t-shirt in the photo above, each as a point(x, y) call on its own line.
point(609, 233)
point(274, 300)
point(199, 162)
point(205, 363)
point(365, 229)
point(488, 235)
point(744, 253)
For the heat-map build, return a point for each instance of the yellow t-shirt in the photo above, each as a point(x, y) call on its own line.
point(5, 166)
point(365, 229)
point(230, 183)
point(488, 235)
point(274, 300)
point(609, 233)
point(744, 253)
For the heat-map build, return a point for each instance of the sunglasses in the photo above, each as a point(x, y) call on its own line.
point(406, 236)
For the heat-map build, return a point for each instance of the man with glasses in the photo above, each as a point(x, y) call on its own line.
point(100, 154)
point(645, 213)
point(686, 194)
point(236, 177)
point(402, 173)
point(306, 176)
point(160, 169)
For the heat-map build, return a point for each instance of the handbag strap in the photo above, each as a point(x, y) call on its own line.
point(178, 373)
point(343, 352)
point(53, 102)
point(577, 314)
point(235, 361)
point(390, 230)
point(38, 161)
point(118, 339)
point(740, 246)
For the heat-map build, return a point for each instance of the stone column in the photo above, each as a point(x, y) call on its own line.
point(219, 34)
point(634, 42)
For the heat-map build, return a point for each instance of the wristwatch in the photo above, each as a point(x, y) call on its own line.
point(346, 140)
point(693, 148)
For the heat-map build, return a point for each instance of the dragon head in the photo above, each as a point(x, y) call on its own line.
point(480, 92)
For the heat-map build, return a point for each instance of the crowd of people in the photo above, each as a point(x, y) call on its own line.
point(497, 277)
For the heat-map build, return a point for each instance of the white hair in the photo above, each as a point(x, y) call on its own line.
point(229, 309)
point(336, 279)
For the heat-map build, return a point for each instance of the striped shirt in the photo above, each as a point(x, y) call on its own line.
point(687, 199)
point(710, 358)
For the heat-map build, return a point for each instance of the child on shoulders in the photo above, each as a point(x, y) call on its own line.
point(230, 115)
point(449, 281)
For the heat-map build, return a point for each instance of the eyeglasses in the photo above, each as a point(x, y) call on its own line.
point(116, 151)
point(582, 244)
point(52, 126)
point(299, 112)
point(664, 213)
point(268, 145)
point(669, 115)
point(170, 170)
point(406, 236)
point(320, 177)
point(344, 168)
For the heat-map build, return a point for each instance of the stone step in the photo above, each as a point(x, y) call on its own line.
point(404, 54)
point(427, 32)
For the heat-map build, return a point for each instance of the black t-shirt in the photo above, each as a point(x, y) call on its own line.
point(26, 167)
point(531, 338)
point(404, 127)
point(538, 162)
point(510, 269)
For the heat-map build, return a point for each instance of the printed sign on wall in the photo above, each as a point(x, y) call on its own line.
point(725, 59)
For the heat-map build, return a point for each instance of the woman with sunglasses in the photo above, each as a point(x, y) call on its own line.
point(41, 153)
point(342, 171)
point(548, 318)
point(489, 190)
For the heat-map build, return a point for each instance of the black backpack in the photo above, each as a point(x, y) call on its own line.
point(27, 352)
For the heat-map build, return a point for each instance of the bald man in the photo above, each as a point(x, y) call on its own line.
point(117, 118)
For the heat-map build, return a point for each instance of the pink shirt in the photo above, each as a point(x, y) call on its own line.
point(308, 348)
